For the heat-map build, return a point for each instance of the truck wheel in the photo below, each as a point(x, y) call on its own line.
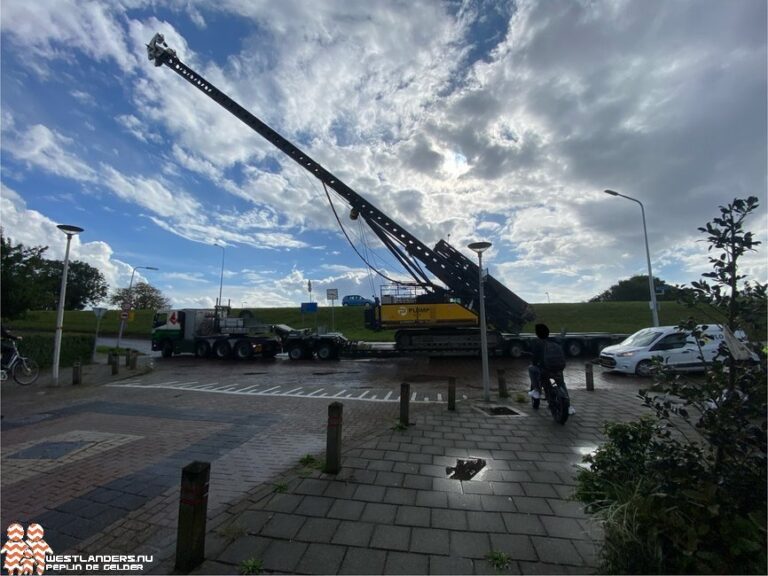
point(574, 348)
point(222, 349)
point(167, 349)
point(296, 352)
point(202, 349)
point(243, 350)
point(327, 352)
point(516, 349)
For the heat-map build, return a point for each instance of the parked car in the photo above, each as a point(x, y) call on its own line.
point(355, 300)
point(677, 349)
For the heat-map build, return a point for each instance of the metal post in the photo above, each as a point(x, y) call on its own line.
point(333, 442)
point(589, 376)
point(77, 373)
point(451, 393)
point(193, 504)
point(134, 358)
point(115, 361)
point(502, 383)
point(484, 336)
point(405, 398)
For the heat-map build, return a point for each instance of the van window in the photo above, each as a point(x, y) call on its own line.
point(642, 338)
point(672, 341)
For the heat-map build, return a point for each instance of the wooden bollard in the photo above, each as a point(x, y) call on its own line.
point(134, 358)
point(333, 443)
point(451, 393)
point(590, 376)
point(128, 358)
point(502, 383)
point(193, 505)
point(405, 398)
point(77, 373)
point(114, 360)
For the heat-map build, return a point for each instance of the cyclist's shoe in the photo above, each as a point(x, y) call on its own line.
point(535, 394)
point(571, 410)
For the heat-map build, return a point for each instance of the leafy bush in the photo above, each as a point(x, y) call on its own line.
point(73, 349)
point(684, 490)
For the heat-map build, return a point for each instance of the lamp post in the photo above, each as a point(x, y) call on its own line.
point(654, 311)
point(481, 247)
point(221, 280)
point(69, 231)
point(127, 308)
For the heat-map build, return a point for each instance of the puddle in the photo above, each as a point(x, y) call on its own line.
point(465, 468)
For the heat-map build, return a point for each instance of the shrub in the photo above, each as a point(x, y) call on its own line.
point(76, 348)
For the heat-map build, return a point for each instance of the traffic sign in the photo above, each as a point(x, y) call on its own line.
point(332, 294)
point(124, 315)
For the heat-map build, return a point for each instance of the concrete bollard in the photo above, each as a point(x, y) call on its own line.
point(405, 398)
point(193, 505)
point(77, 373)
point(502, 383)
point(452, 393)
point(589, 376)
point(333, 442)
point(134, 358)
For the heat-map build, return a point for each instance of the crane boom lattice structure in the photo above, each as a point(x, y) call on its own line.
point(505, 310)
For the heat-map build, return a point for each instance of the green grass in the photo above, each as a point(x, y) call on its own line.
point(616, 317)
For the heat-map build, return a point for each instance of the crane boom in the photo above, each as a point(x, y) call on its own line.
point(505, 309)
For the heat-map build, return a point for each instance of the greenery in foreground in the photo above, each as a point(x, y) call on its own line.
point(615, 317)
point(683, 491)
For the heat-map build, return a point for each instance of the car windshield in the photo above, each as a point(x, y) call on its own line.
point(642, 338)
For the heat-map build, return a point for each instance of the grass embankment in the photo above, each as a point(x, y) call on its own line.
point(615, 317)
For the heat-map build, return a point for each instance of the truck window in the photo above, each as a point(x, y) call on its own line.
point(160, 319)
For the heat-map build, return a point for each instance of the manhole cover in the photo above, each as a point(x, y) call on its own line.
point(49, 450)
point(498, 411)
point(465, 469)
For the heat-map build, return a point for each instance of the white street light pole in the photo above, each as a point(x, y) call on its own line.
point(652, 288)
point(69, 231)
point(221, 280)
point(129, 305)
point(481, 247)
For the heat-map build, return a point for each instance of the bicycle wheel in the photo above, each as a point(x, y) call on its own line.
point(26, 371)
point(559, 405)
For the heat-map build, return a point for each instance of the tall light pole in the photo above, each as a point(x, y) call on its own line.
point(221, 281)
point(69, 231)
point(127, 307)
point(481, 247)
point(654, 311)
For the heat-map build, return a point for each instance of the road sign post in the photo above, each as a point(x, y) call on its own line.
point(332, 294)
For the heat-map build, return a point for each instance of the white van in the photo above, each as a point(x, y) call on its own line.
point(676, 348)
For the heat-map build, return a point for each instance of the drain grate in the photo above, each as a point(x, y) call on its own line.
point(465, 469)
point(498, 410)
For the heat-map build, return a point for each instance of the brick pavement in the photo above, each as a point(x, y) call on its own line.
point(391, 509)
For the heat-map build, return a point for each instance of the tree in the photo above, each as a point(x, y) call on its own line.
point(636, 289)
point(21, 288)
point(143, 295)
point(85, 285)
point(683, 491)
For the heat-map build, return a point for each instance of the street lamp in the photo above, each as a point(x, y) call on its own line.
point(127, 306)
point(221, 281)
point(69, 231)
point(651, 287)
point(481, 247)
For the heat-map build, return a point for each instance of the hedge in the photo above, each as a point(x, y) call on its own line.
point(74, 348)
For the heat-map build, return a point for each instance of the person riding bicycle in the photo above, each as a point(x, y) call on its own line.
point(5, 347)
point(548, 362)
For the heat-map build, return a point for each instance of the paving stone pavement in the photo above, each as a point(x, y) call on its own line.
point(99, 469)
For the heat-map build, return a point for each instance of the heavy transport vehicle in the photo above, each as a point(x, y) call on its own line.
point(436, 311)
point(208, 332)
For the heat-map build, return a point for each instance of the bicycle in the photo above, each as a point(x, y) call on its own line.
point(556, 395)
point(24, 370)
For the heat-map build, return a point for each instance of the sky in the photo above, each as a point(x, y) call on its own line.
point(465, 120)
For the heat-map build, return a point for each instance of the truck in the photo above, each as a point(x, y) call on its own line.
point(207, 332)
point(437, 311)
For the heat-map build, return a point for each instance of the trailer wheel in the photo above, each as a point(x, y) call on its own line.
point(327, 352)
point(167, 349)
point(202, 349)
point(574, 348)
point(222, 349)
point(296, 352)
point(243, 350)
point(516, 349)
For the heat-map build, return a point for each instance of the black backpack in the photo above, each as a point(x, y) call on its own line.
point(554, 359)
